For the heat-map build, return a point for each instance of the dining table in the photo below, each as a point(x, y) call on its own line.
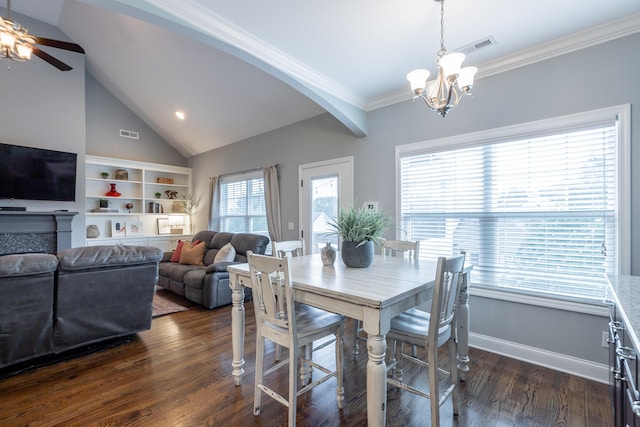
point(373, 295)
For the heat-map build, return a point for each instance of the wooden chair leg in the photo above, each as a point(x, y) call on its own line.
point(339, 345)
point(453, 369)
point(259, 375)
point(293, 385)
point(434, 391)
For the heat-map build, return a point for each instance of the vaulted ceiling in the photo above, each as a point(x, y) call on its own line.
point(243, 67)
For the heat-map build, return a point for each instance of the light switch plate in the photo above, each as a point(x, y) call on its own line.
point(291, 226)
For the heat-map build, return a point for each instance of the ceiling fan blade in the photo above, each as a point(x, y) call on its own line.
point(59, 44)
point(51, 60)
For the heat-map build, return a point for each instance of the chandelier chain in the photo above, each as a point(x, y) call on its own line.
point(443, 50)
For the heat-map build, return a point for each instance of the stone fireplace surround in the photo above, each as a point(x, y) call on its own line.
point(30, 231)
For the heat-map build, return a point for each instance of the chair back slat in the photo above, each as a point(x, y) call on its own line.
point(404, 248)
point(445, 292)
point(288, 248)
point(271, 289)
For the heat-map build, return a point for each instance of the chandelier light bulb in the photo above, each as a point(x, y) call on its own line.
point(418, 79)
point(465, 79)
point(451, 64)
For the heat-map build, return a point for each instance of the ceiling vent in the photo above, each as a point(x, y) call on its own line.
point(477, 45)
point(129, 134)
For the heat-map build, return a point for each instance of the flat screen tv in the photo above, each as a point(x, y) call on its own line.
point(28, 173)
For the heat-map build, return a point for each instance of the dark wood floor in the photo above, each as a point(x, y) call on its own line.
point(179, 374)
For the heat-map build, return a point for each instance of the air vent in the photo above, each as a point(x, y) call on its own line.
point(477, 45)
point(129, 134)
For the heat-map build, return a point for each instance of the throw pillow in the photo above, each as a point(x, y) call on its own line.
point(175, 257)
point(192, 254)
point(227, 253)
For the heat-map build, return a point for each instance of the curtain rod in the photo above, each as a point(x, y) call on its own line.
point(241, 172)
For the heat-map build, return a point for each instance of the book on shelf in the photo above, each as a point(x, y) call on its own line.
point(155, 207)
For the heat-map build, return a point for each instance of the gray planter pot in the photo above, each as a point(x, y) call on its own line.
point(359, 257)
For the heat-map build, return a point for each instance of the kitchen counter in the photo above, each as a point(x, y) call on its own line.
point(625, 292)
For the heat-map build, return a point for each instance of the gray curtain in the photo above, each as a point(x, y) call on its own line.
point(272, 202)
point(214, 206)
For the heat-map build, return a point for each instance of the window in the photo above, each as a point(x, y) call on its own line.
point(242, 205)
point(536, 207)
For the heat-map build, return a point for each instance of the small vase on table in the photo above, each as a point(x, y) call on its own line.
point(328, 254)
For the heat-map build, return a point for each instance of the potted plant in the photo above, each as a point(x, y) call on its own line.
point(360, 229)
point(104, 175)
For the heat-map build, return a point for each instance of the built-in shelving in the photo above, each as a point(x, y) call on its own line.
point(148, 191)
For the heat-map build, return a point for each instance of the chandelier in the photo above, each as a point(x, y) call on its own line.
point(15, 41)
point(452, 82)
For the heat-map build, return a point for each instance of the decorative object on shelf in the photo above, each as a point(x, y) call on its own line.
point(133, 228)
point(328, 254)
point(359, 229)
point(122, 175)
point(189, 205)
point(113, 192)
point(158, 195)
point(163, 226)
point(104, 175)
point(118, 229)
point(103, 203)
point(176, 222)
point(171, 194)
point(92, 231)
point(163, 180)
point(129, 206)
point(452, 82)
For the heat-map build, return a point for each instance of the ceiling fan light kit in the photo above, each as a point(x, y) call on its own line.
point(15, 40)
point(17, 44)
point(451, 83)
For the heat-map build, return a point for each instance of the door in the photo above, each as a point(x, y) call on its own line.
point(325, 187)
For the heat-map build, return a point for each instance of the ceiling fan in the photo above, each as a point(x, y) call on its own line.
point(17, 44)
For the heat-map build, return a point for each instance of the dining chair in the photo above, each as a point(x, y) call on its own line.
point(430, 331)
point(296, 329)
point(288, 248)
point(404, 248)
point(407, 248)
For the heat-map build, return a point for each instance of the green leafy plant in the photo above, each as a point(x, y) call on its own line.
point(359, 225)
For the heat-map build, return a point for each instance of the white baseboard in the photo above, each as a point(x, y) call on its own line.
point(559, 362)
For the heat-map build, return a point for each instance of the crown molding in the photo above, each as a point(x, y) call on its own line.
point(574, 42)
point(258, 52)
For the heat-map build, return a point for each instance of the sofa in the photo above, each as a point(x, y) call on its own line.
point(50, 304)
point(203, 278)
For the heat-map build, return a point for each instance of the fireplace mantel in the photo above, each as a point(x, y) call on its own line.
point(30, 231)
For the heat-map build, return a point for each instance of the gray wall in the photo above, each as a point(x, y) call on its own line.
point(45, 108)
point(69, 111)
point(592, 78)
point(106, 115)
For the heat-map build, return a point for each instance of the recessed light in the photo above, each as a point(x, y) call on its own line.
point(180, 115)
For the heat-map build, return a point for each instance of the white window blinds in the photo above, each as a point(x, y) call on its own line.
point(535, 214)
point(242, 205)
